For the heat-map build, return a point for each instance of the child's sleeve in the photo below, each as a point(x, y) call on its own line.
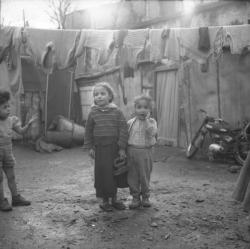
point(123, 131)
point(89, 137)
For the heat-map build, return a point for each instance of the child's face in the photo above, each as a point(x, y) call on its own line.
point(142, 109)
point(101, 96)
point(5, 110)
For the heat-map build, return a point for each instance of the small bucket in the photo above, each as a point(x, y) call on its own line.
point(61, 138)
point(66, 133)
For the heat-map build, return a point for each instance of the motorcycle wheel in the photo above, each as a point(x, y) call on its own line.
point(195, 144)
point(242, 149)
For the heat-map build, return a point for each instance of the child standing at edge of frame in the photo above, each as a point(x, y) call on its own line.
point(7, 160)
point(106, 138)
point(142, 138)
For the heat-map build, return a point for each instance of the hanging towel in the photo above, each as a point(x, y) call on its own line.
point(204, 39)
point(238, 37)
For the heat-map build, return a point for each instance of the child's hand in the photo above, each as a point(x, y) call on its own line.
point(148, 116)
point(122, 154)
point(150, 129)
point(33, 119)
point(92, 153)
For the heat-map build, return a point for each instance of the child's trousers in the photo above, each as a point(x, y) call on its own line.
point(140, 163)
point(7, 163)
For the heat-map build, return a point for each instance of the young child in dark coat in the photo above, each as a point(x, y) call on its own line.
point(106, 138)
point(7, 160)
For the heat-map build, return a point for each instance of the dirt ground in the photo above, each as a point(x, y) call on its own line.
point(192, 206)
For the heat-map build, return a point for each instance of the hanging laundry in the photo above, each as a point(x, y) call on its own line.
point(59, 42)
point(135, 42)
point(204, 39)
point(119, 36)
point(123, 56)
point(97, 39)
point(172, 49)
point(6, 34)
point(218, 42)
point(165, 36)
point(238, 38)
point(189, 39)
point(10, 65)
point(101, 45)
point(155, 44)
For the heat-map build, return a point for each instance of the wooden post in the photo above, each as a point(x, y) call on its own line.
point(46, 105)
point(141, 79)
point(72, 78)
point(218, 86)
point(186, 71)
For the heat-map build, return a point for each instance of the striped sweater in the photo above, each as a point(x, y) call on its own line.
point(106, 121)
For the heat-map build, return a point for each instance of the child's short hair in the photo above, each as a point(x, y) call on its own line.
point(4, 97)
point(109, 89)
point(147, 98)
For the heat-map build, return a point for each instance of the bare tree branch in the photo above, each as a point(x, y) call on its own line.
point(58, 11)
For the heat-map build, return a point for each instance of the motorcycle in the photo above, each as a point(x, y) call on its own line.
point(224, 142)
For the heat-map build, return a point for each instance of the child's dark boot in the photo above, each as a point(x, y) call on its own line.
point(20, 201)
point(136, 203)
point(145, 202)
point(5, 206)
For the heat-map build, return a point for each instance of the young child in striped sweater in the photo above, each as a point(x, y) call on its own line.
point(106, 138)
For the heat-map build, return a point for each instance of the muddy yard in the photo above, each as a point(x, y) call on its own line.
point(192, 206)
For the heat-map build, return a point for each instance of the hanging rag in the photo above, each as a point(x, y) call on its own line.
point(189, 39)
point(238, 37)
point(101, 45)
point(119, 36)
point(204, 39)
point(39, 42)
point(218, 42)
point(171, 44)
point(10, 65)
point(135, 42)
point(165, 36)
point(155, 43)
point(122, 53)
point(6, 34)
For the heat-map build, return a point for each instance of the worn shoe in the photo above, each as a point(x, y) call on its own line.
point(118, 205)
point(145, 202)
point(20, 201)
point(106, 207)
point(136, 203)
point(5, 206)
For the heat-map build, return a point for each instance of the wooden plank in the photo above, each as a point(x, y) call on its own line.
point(172, 67)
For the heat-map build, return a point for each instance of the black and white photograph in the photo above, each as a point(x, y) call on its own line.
point(124, 124)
